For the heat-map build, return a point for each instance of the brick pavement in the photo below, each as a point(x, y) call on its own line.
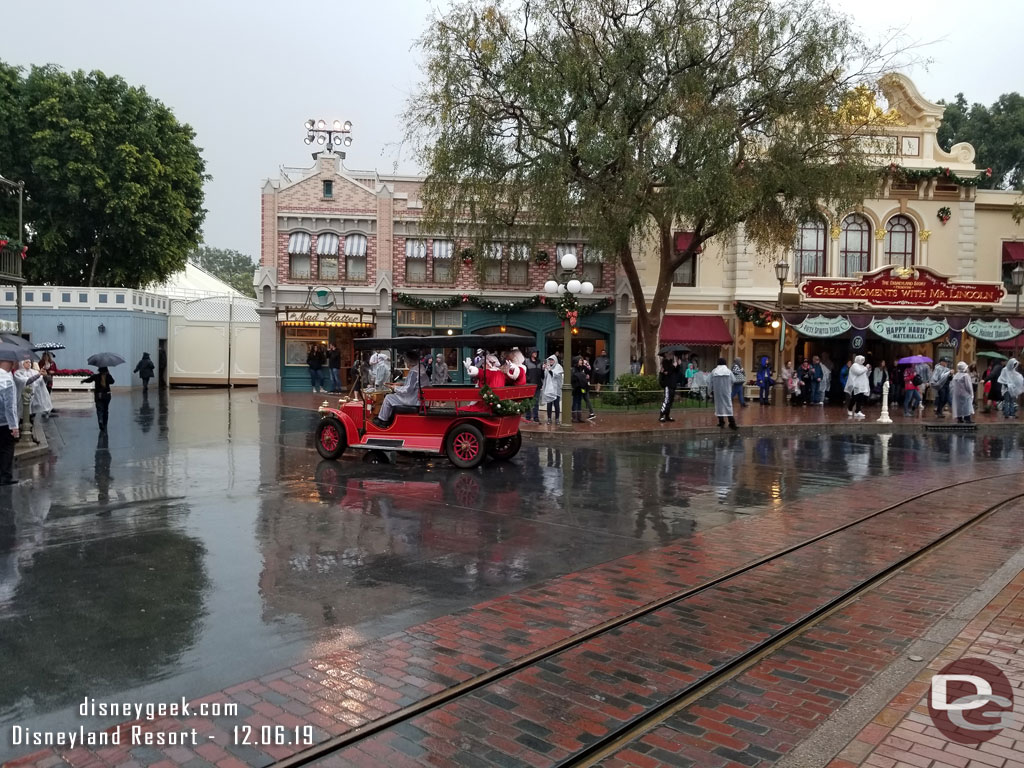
point(760, 715)
point(902, 734)
point(548, 712)
point(348, 689)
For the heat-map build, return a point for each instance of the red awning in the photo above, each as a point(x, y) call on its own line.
point(683, 240)
point(696, 330)
point(1013, 252)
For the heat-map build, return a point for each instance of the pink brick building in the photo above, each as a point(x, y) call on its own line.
point(343, 256)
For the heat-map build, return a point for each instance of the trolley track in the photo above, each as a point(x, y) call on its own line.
point(653, 715)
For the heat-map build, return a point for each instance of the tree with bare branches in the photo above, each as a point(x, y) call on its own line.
point(622, 118)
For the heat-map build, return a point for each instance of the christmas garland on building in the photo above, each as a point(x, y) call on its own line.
point(915, 175)
point(752, 315)
point(14, 246)
point(564, 305)
point(450, 302)
point(568, 307)
point(501, 407)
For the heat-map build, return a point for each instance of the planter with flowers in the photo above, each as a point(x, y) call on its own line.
point(71, 380)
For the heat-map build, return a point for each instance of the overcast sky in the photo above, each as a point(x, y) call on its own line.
point(246, 75)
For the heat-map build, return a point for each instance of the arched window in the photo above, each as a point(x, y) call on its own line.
point(854, 245)
point(809, 249)
point(899, 241)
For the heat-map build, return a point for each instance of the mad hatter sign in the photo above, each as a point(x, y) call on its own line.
point(901, 287)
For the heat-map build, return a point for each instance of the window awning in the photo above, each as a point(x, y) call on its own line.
point(1013, 252)
point(683, 241)
point(695, 330)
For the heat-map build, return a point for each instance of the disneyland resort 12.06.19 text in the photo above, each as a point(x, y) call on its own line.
point(134, 734)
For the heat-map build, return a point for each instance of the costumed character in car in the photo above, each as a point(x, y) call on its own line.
point(514, 368)
point(406, 394)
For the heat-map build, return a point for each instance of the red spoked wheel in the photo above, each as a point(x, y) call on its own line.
point(465, 446)
point(330, 438)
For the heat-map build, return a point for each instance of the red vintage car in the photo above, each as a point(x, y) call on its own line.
point(450, 420)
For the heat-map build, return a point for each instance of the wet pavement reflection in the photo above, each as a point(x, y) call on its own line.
point(203, 542)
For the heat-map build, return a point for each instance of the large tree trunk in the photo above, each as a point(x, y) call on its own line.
point(95, 261)
point(649, 317)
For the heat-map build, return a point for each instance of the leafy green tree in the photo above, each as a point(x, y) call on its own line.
point(233, 267)
point(622, 118)
point(996, 132)
point(114, 183)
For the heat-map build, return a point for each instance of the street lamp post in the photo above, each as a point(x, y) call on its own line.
point(571, 284)
point(781, 273)
point(335, 134)
point(20, 186)
point(1017, 277)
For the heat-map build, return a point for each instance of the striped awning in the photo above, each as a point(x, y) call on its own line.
point(327, 244)
point(299, 242)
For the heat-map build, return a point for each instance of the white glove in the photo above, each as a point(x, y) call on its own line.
point(471, 369)
point(513, 371)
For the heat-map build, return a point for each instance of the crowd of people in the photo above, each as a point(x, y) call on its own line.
point(912, 385)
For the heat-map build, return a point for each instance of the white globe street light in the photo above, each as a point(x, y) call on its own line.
point(587, 288)
point(569, 262)
point(561, 290)
point(551, 287)
point(574, 286)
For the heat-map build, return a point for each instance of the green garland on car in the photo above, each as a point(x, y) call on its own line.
point(501, 407)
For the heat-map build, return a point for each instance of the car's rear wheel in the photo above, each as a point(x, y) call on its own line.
point(330, 438)
point(504, 448)
point(465, 446)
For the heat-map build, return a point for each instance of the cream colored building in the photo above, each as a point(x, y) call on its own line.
point(940, 221)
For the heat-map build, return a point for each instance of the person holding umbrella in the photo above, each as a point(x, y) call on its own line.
point(102, 381)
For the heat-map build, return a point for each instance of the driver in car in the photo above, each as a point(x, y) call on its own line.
point(406, 394)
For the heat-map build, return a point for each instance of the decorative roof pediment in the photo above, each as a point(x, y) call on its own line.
point(903, 96)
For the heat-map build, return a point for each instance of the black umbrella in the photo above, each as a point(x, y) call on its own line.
point(105, 360)
point(674, 349)
point(47, 346)
point(12, 352)
point(23, 344)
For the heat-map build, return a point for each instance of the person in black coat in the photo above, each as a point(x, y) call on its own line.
point(145, 369)
point(534, 376)
point(101, 381)
point(668, 380)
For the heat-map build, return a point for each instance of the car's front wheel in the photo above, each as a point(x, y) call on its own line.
point(465, 446)
point(330, 438)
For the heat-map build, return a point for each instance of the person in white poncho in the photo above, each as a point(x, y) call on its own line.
point(8, 422)
point(1012, 385)
point(721, 389)
point(857, 387)
point(962, 391)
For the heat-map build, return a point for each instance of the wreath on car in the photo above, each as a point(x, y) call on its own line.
point(501, 407)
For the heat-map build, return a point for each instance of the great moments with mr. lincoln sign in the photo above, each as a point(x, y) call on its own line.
point(901, 287)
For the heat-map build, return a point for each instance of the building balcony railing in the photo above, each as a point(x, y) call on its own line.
point(10, 266)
